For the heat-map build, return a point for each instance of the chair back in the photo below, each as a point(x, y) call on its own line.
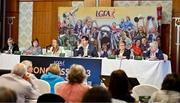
point(43, 86)
point(165, 56)
point(143, 90)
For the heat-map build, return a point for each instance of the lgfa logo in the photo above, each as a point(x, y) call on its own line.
point(105, 13)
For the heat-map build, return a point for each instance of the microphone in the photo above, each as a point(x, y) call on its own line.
point(120, 63)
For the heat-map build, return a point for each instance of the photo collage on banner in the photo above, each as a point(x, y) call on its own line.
point(106, 26)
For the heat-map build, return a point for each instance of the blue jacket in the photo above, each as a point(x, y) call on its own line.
point(52, 79)
point(159, 55)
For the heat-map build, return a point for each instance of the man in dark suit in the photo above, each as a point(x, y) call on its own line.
point(85, 49)
point(11, 47)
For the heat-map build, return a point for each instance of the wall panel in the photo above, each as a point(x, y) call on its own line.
point(105, 3)
point(176, 13)
point(45, 18)
point(12, 8)
point(89, 3)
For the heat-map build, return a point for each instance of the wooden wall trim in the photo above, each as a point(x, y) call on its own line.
point(46, 0)
point(45, 20)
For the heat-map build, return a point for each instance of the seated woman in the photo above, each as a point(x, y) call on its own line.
point(35, 49)
point(105, 51)
point(154, 53)
point(136, 48)
point(55, 49)
point(52, 76)
point(119, 86)
point(67, 45)
point(122, 52)
point(170, 90)
point(74, 89)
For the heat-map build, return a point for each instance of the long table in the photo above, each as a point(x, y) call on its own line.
point(147, 72)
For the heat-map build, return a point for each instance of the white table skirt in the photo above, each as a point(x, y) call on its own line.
point(147, 72)
point(7, 61)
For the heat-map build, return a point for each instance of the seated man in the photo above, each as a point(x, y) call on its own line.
point(18, 81)
point(10, 47)
point(154, 53)
point(85, 49)
point(29, 66)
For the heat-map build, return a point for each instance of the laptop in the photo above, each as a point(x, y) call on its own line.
point(133, 81)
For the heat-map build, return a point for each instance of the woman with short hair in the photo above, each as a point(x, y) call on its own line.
point(122, 52)
point(35, 49)
point(52, 76)
point(154, 53)
point(74, 89)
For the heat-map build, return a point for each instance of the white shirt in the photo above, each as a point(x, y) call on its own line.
point(153, 54)
point(86, 51)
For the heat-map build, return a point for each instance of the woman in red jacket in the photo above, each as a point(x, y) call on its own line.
point(136, 48)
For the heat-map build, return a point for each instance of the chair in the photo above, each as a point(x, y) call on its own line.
point(43, 86)
point(165, 56)
point(143, 90)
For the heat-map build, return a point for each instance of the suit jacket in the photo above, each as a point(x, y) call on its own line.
point(91, 51)
point(15, 48)
point(23, 89)
point(126, 53)
point(159, 55)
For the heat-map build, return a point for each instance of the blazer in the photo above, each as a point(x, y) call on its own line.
point(23, 88)
point(91, 51)
point(15, 48)
point(126, 53)
point(159, 55)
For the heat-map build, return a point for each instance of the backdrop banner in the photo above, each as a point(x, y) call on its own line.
point(110, 23)
point(92, 66)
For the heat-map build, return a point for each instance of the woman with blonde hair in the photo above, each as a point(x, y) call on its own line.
point(154, 53)
point(74, 89)
point(52, 76)
point(55, 49)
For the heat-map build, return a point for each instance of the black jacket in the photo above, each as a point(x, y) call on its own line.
point(126, 53)
point(91, 51)
point(15, 48)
